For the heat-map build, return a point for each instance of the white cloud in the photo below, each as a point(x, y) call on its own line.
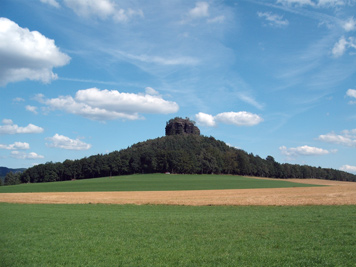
point(7, 121)
point(348, 168)
point(303, 151)
point(26, 54)
point(350, 25)
point(273, 19)
point(10, 128)
point(205, 119)
point(16, 145)
point(104, 105)
point(347, 138)
point(351, 93)
point(342, 45)
point(102, 9)
point(200, 10)
point(241, 118)
point(64, 142)
point(23, 155)
point(53, 3)
point(31, 109)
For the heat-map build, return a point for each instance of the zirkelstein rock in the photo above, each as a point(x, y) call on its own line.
point(179, 126)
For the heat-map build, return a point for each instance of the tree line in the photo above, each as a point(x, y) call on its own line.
point(183, 154)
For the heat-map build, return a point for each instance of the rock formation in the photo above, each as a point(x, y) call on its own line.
point(179, 126)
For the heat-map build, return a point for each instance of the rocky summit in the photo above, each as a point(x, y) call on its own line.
point(179, 126)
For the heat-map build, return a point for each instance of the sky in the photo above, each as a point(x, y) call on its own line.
point(86, 77)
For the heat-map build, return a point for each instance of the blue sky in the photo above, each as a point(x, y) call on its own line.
point(79, 78)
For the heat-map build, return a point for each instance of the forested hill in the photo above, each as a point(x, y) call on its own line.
point(190, 154)
point(5, 170)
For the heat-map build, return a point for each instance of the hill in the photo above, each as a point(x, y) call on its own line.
point(5, 170)
point(183, 154)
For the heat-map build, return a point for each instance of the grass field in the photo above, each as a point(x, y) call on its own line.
point(153, 182)
point(129, 235)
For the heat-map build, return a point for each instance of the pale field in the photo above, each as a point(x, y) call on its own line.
point(333, 193)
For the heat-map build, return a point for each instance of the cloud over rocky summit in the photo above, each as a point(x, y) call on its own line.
point(241, 118)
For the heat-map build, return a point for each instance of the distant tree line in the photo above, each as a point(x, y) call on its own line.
point(183, 154)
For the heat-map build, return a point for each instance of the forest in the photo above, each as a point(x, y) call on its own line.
point(182, 154)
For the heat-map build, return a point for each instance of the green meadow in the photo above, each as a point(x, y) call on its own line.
point(148, 235)
point(152, 182)
point(164, 235)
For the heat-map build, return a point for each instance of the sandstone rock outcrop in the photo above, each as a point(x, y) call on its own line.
point(179, 126)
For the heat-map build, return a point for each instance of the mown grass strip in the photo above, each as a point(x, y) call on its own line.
point(153, 182)
point(127, 235)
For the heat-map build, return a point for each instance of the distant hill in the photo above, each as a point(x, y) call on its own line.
point(5, 170)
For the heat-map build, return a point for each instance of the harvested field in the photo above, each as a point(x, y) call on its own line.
point(334, 193)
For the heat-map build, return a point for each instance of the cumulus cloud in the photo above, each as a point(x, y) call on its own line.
point(241, 118)
point(351, 93)
point(64, 142)
point(7, 121)
point(26, 54)
point(16, 145)
point(10, 128)
point(273, 19)
point(23, 155)
point(346, 138)
point(205, 119)
point(104, 105)
point(342, 45)
point(303, 151)
point(348, 168)
point(103, 9)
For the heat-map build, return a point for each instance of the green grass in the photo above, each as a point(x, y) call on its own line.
point(152, 182)
point(128, 235)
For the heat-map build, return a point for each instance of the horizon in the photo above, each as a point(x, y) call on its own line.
point(272, 77)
